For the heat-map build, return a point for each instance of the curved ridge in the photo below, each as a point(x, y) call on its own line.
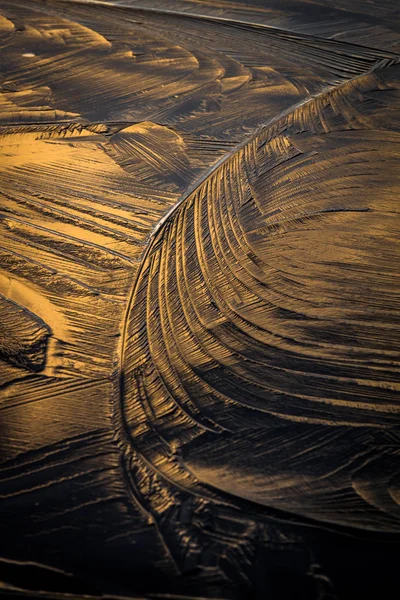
point(222, 342)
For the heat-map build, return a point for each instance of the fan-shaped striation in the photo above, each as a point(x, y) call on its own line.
point(263, 328)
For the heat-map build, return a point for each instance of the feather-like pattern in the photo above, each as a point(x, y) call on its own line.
point(265, 297)
point(198, 347)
